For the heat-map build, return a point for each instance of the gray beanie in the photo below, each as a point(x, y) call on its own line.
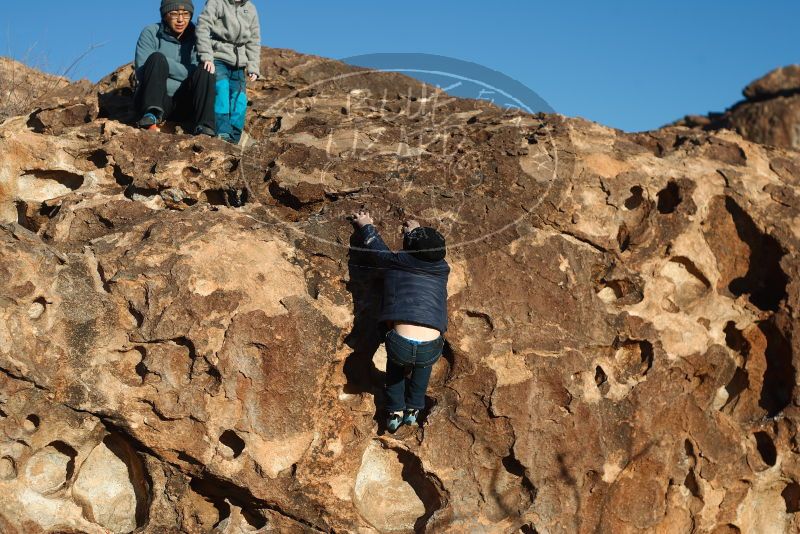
point(175, 5)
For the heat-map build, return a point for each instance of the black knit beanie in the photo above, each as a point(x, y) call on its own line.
point(176, 5)
point(425, 243)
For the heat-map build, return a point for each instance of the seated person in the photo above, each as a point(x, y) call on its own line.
point(170, 84)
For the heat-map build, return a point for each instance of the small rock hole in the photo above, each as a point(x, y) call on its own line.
point(623, 238)
point(8, 468)
point(138, 316)
point(232, 442)
point(779, 377)
point(141, 370)
point(669, 198)
point(232, 165)
point(735, 340)
point(739, 383)
point(99, 158)
point(254, 520)
point(22, 216)
point(215, 197)
point(765, 282)
point(414, 474)
point(191, 172)
point(70, 180)
point(515, 467)
point(223, 510)
point(121, 178)
point(141, 367)
point(69, 452)
point(692, 269)
point(689, 449)
point(31, 424)
point(691, 484)
point(766, 448)
point(791, 496)
point(636, 198)
point(600, 376)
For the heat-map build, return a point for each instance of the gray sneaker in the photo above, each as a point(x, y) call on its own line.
point(393, 422)
point(410, 417)
point(204, 130)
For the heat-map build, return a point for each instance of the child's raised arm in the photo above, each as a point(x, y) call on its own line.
point(372, 244)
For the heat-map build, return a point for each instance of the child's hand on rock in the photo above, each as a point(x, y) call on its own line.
point(252, 76)
point(409, 225)
point(361, 218)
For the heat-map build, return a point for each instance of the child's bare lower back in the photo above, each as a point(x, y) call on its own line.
point(416, 332)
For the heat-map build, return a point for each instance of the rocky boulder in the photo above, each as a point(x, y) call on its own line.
point(770, 113)
point(23, 88)
point(188, 345)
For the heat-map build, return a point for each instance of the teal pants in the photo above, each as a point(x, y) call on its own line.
point(230, 105)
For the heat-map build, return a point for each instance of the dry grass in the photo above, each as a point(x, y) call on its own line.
point(23, 88)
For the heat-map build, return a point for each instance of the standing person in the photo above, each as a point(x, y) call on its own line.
point(170, 84)
point(414, 308)
point(229, 43)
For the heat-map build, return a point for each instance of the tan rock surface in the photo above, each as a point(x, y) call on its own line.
point(622, 354)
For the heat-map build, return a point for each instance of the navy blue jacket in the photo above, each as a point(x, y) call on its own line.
point(414, 291)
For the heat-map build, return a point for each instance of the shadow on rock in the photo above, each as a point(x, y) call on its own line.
point(366, 287)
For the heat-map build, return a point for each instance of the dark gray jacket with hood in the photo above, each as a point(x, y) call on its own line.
point(181, 54)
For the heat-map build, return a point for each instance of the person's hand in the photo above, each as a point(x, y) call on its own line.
point(252, 76)
point(209, 66)
point(361, 218)
point(409, 225)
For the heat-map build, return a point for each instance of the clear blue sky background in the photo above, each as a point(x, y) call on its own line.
point(632, 64)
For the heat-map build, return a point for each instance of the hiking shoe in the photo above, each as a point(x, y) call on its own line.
point(148, 121)
point(394, 421)
point(410, 417)
point(225, 137)
point(204, 130)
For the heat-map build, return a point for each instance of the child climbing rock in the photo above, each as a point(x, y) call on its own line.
point(229, 45)
point(414, 308)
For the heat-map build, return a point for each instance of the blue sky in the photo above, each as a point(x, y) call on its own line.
point(632, 64)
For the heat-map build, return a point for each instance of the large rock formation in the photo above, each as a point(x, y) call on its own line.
point(186, 344)
point(770, 113)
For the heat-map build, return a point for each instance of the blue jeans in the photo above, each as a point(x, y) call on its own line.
point(230, 106)
point(408, 370)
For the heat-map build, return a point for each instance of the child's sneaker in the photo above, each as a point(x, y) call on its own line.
point(394, 421)
point(410, 417)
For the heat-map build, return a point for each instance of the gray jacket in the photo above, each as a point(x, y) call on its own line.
point(229, 31)
point(181, 55)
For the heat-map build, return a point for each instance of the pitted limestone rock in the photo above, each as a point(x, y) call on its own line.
point(622, 352)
